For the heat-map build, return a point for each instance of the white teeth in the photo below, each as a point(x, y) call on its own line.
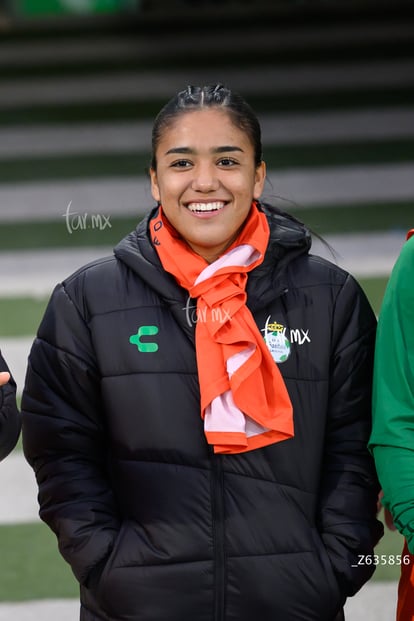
point(206, 206)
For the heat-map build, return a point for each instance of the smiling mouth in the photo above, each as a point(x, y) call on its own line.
point(204, 207)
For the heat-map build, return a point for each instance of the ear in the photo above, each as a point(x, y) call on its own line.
point(259, 180)
point(155, 191)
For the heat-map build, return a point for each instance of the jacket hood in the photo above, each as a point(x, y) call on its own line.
point(289, 239)
point(138, 253)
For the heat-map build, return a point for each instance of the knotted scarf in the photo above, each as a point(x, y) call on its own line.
point(244, 401)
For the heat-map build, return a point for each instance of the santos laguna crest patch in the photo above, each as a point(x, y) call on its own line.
point(275, 338)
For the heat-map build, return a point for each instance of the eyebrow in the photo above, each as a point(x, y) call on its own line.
point(188, 150)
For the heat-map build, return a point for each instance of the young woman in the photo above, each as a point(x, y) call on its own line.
point(392, 439)
point(10, 422)
point(197, 407)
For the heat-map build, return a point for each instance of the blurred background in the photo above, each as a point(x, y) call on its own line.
point(80, 83)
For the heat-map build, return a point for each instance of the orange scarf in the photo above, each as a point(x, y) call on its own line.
point(244, 401)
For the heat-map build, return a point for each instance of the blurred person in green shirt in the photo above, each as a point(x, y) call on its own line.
point(392, 438)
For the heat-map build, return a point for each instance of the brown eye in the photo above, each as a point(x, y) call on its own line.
point(226, 162)
point(181, 164)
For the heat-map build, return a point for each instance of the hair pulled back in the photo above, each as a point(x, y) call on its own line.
point(211, 96)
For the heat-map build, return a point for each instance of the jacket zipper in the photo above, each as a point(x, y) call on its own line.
point(217, 484)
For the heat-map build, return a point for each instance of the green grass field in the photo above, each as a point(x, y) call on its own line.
point(32, 567)
point(21, 316)
point(329, 219)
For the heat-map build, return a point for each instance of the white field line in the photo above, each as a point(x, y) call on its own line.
point(375, 602)
point(35, 273)
point(18, 491)
point(140, 85)
point(124, 137)
point(129, 196)
point(46, 610)
point(16, 351)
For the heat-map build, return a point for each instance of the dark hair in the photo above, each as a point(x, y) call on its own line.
point(211, 96)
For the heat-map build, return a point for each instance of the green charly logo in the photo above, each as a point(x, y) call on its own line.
point(144, 346)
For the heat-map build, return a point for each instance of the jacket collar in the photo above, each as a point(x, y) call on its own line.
point(138, 253)
point(289, 239)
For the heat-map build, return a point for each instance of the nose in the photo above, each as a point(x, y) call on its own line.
point(205, 178)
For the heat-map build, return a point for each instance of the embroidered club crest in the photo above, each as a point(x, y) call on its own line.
point(276, 341)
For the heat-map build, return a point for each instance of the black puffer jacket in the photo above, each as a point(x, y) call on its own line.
point(155, 526)
point(10, 421)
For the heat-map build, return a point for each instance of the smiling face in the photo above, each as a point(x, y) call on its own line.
point(206, 179)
